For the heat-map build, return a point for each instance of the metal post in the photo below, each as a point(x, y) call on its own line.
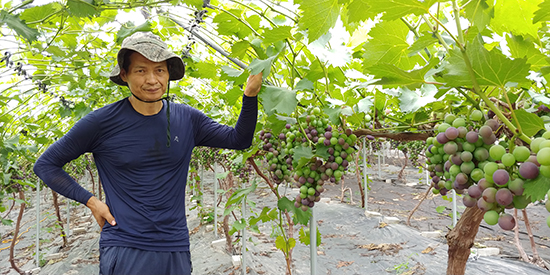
point(427, 177)
point(384, 153)
point(365, 171)
point(454, 208)
point(313, 242)
point(215, 200)
point(37, 249)
point(243, 250)
point(379, 166)
point(68, 231)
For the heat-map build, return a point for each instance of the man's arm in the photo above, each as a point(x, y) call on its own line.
point(210, 133)
point(49, 166)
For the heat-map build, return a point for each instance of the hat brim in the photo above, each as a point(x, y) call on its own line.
point(176, 68)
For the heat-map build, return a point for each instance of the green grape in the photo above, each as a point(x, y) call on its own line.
point(442, 127)
point(545, 170)
point(521, 153)
point(477, 174)
point(497, 151)
point(490, 169)
point(449, 118)
point(491, 217)
point(508, 159)
point(543, 156)
point(535, 144)
point(459, 122)
point(476, 115)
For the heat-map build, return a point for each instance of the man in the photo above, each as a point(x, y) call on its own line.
point(142, 146)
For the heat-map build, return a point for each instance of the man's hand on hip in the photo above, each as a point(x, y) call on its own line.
point(101, 212)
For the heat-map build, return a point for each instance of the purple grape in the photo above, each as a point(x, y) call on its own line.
point(282, 136)
point(485, 131)
point(268, 135)
point(489, 194)
point(483, 205)
point(341, 141)
point(507, 222)
point(288, 126)
point(504, 197)
point(370, 137)
point(330, 151)
point(501, 177)
point(441, 138)
point(451, 133)
point(305, 201)
point(472, 137)
point(326, 142)
point(492, 123)
point(314, 132)
point(474, 191)
point(469, 201)
point(490, 140)
point(297, 204)
point(329, 128)
point(528, 170)
point(334, 166)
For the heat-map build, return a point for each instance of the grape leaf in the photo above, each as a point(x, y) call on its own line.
point(421, 43)
point(479, 13)
point(543, 14)
point(358, 11)
point(40, 12)
point(300, 216)
point(304, 84)
point(277, 34)
point(389, 45)
point(322, 151)
point(259, 65)
point(318, 17)
point(18, 25)
point(282, 245)
point(395, 9)
point(521, 47)
point(228, 25)
point(303, 154)
point(516, 16)
point(440, 209)
point(232, 95)
point(490, 67)
point(265, 215)
point(529, 123)
point(389, 74)
point(304, 236)
point(278, 100)
point(239, 49)
point(412, 100)
point(82, 8)
point(129, 28)
point(240, 194)
point(536, 189)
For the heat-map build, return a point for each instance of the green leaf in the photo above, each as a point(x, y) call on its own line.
point(240, 194)
point(266, 215)
point(282, 245)
point(543, 14)
point(302, 154)
point(440, 209)
point(239, 225)
point(304, 236)
point(259, 65)
point(222, 175)
point(395, 9)
point(364, 105)
point(421, 43)
point(232, 95)
point(318, 17)
point(278, 100)
point(479, 12)
point(322, 151)
point(203, 70)
point(536, 189)
point(392, 75)
point(300, 216)
point(411, 101)
point(521, 47)
point(304, 84)
point(40, 12)
point(358, 11)
point(516, 16)
point(129, 29)
point(6, 222)
point(19, 26)
point(276, 123)
point(278, 33)
point(490, 67)
point(389, 45)
point(229, 25)
point(529, 123)
point(239, 49)
point(82, 8)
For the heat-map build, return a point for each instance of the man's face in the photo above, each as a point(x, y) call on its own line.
point(146, 79)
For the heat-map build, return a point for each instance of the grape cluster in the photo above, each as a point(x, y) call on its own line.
point(240, 169)
point(332, 151)
point(464, 157)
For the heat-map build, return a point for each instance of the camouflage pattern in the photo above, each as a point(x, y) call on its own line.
point(152, 48)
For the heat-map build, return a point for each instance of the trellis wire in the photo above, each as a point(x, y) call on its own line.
point(215, 200)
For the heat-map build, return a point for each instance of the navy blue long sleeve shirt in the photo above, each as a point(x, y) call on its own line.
point(144, 180)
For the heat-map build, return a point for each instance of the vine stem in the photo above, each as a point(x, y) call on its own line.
point(17, 226)
point(521, 251)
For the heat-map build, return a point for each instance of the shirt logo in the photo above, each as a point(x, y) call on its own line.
point(176, 139)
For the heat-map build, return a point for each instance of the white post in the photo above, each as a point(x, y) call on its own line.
point(243, 250)
point(427, 177)
point(313, 242)
point(215, 200)
point(454, 208)
point(379, 166)
point(37, 249)
point(365, 171)
point(384, 153)
point(68, 231)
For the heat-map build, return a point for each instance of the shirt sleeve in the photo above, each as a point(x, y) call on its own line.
point(49, 166)
point(212, 134)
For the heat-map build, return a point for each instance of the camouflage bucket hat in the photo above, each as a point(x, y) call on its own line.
point(151, 47)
